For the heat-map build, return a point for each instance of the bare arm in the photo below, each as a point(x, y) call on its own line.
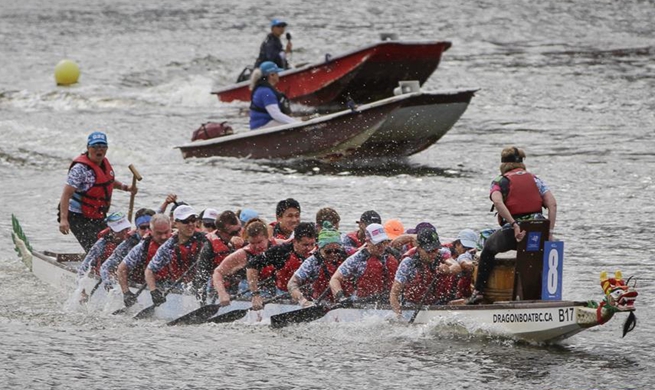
point(151, 279)
point(230, 265)
point(551, 204)
point(64, 202)
point(394, 297)
point(335, 283)
point(294, 289)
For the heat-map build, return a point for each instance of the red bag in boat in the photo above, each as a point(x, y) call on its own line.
point(211, 130)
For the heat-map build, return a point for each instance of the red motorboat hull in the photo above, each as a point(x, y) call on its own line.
point(366, 75)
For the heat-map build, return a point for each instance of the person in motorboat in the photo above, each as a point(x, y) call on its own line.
point(517, 195)
point(86, 197)
point(207, 220)
point(108, 239)
point(285, 259)
point(221, 242)
point(318, 268)
point(271, 49)
point(268, 106)
point(354, 240)
point(132, 268)
point(424, 275)
point(108, 269)
point(177, 255)
point(287, 214)
point(255, 233)
point(371, 270)
point(327, 214)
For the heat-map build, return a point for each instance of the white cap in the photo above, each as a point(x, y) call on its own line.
point(376, 234)
point(183, 212)
point(210, 215)
point(468, 238)
point(118, 222)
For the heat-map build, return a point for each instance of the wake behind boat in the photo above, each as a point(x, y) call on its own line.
point(398, 126)
point(366, 75)
point(529, 320)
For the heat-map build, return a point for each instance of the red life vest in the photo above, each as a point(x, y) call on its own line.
point(322, 282)
point(183, 257)
point(110, 245)
point(523, 197)
point(96, 200)
point(377, 277)
point(284, 274)
point(418, 286)
point(353, 236)
point(277, 232)
point(220, 248)
point(137, 274)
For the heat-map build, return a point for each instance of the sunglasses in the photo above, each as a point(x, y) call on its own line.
point(144, 227)
point(99, 146)
point(332, 251)
point(234, 233)
point(188, 221)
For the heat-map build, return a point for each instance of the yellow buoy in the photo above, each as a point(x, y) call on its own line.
point(66, 72)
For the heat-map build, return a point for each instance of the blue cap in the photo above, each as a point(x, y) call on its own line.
point(278, 23)
point(96, 138)
point(247, 214)
point(268, 67)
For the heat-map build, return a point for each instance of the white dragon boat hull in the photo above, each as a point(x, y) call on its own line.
point(534, 321)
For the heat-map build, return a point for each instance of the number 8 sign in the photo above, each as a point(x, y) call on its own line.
point(551, 282)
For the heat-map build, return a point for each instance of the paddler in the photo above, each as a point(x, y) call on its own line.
point(287, 214)
point(108, 240)
point(353, 241)
point(108, 269)
point(255, 232)
point(86, 197)
point(517, 195)
point(285, 260)
point(425, 274)
point(271, 49)
point(371, 270)
point(176, 255)
point(268, 106)
point(221, 242)
point(318, 268)
point(132, 268)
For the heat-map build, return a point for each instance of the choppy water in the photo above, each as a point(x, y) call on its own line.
point(570, 82)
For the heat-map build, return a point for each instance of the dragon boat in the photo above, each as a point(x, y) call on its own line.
point(532, 320)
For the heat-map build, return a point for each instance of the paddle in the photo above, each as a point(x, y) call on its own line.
point(150, 310)
point(138, 292)
point(203, 313)
point(240, 313)
point(306, 314)
point(290, 51)
point(135, 176)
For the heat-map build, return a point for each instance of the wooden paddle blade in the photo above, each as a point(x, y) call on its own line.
point(229, 316)
point(306, 314)
point(197, 316)
point(145, 313)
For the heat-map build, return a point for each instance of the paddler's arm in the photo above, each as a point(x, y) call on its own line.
point(124, 187)
point(394, 297)
point(122, 277)
point(335, 285)
point(230, 265)
point(64, 202)
point(551, 204)
point(252, 275)
point(151, 280)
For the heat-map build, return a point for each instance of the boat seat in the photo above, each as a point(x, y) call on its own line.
point(529, 260)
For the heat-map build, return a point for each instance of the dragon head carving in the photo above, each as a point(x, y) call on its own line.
point(618, 294)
